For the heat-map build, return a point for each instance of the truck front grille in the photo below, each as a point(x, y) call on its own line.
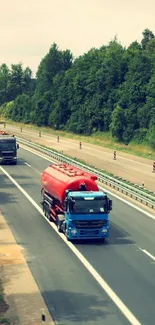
point(89, 223)
point(7, 155)
point(89, 233)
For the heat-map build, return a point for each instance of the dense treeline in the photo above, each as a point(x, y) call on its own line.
point(111, 88)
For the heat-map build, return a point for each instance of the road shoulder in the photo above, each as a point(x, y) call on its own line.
point(23, 301)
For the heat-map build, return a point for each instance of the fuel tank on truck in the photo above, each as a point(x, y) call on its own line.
point(58, 178)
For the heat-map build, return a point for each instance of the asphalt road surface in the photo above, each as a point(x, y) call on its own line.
point(126, 263)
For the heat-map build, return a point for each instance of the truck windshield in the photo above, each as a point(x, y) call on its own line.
point(89, 206)
point(7, 146)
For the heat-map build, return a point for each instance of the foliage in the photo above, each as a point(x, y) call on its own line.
point(107, 89)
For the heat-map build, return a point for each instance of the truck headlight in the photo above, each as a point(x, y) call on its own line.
point(104, 230)
point(73, 231)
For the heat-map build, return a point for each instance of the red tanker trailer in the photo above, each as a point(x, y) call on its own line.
point(70, 197)
point(58, 178)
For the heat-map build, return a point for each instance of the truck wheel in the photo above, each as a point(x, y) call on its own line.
point(60, 220)
point(67, 235)
point(44, 209)
point(48, 216)
point(59, 226)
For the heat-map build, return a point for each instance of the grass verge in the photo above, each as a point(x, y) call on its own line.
point(99, 138)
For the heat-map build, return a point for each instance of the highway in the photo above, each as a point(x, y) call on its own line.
point(134, 168)
point(126, 263)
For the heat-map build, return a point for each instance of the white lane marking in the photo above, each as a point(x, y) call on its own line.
point(129, 203)
point(27, 164)
point(102, 188)
point(147, 253)
point(32, 168)
point(36, 171)
point(117, 301)
point(38, 154)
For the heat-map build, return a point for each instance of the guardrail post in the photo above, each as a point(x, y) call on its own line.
point(4, 125)
point(80, 145)
point(39, 134)
point(43, 317)
point(21, 129)
point(114, 155)
point(58, 138)
point(153, 171)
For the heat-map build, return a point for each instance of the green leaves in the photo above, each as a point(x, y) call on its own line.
point(117, 125)
point(110, 88)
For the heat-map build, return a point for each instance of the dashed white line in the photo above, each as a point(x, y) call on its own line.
point(32, 168)
point(147, 253)
point(27, 164)
point(109, 192)
point(104, 285)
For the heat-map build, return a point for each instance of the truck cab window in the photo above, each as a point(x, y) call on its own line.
point(84, 206)
point(7, 146)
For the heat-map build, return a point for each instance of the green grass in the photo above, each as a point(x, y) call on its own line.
point(103, 139)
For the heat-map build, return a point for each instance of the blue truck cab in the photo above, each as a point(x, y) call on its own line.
point(86, 215)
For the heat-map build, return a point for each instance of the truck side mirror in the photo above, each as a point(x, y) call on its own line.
point(17, 146)
point(71, 204)
point(65, 204)
point(110, 205)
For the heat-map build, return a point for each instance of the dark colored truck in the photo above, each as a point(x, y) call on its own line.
point(8, 149)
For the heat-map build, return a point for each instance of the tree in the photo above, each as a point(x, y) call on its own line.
point(15, 83)
point(54, 62)
point(4, 79)
point(109, 88)
point(147, 37)
point(118, 124)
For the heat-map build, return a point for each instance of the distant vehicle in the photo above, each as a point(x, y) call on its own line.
point(8, 149)
point(71, 198)
point(3, 132)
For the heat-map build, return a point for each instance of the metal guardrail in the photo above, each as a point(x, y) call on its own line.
point(130, 190)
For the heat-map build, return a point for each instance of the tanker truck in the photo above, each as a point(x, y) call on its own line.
point(71, 198)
